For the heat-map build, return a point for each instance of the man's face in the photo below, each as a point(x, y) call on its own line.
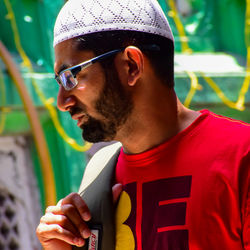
point(100, 103)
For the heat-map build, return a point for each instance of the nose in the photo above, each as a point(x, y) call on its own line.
point(65, 99)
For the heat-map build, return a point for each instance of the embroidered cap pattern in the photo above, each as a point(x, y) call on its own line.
point(81, 17)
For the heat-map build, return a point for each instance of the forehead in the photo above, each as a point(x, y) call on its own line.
point(67, 55)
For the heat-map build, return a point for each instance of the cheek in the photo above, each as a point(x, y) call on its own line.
point(91, 80)
point(90, 87)
point(121, 72)
point(87, 96)
point(81, 88)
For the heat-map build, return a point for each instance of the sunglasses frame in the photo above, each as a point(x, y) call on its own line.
point(74, 70)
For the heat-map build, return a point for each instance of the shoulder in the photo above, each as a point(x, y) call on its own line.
point(227, 131)
point(228, 125)
point(227, 120)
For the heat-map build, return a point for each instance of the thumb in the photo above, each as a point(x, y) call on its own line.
point(116, 190)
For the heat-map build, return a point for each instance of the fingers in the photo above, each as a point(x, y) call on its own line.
point(68, 217)
point(61, 220)
point(65, 222)
point(76, 219)
point(75, 210)
point(79, 203)
point(48, 233)
point(116, 190)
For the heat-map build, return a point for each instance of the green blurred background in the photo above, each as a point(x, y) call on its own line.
point(211, 40)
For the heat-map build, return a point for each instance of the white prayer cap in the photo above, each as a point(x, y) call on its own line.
point(81, 17)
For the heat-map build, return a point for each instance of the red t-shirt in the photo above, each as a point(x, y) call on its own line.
point(191, 192)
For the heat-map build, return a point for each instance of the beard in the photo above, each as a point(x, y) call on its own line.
point(114, 104)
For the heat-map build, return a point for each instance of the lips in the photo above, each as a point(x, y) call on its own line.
point(80, 117)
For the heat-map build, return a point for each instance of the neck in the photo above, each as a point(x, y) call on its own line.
point(154, 121)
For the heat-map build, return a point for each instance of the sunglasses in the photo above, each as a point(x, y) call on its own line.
point(67, 78)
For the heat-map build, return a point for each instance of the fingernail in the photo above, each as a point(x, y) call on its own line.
point(86, 216)
point(79, 241)
point(86, 233)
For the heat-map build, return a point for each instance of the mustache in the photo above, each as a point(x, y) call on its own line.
point(76, 110)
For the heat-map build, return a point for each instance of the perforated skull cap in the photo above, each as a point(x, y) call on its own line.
point(81, 17)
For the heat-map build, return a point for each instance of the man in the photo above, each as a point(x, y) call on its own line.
point(184, 174)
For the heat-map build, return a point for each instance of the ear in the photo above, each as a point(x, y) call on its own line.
point(135, 64)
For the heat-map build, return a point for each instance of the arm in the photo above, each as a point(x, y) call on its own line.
point(64, 225)
point(58, 228)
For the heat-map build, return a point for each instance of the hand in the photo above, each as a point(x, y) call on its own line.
point(116, 191)
point(64, 225)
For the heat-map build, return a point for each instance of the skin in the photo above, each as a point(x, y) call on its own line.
point(156, 115)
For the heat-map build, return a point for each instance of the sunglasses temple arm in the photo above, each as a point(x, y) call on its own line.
point(103, 56)
point(86, 64)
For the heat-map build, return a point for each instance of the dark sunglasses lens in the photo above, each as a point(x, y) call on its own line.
point(67, 80)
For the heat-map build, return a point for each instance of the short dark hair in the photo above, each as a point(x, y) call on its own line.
point(162, 61)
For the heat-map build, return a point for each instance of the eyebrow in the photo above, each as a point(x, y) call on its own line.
point(61, 68)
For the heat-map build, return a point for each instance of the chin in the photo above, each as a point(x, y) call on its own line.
point(97, 131)
point(96, 136)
